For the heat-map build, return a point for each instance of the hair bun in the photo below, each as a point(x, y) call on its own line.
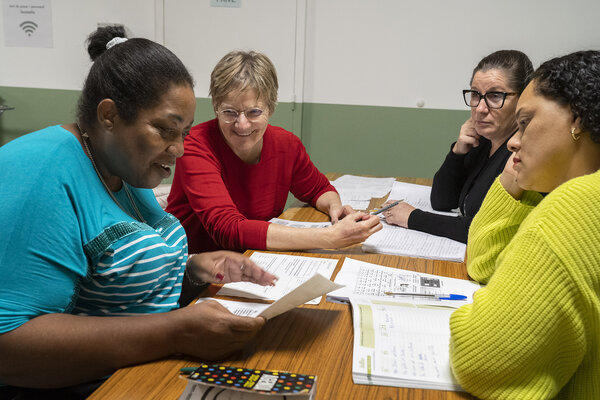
point(97, 40)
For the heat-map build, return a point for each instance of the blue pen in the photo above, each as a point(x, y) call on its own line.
point(438, 296)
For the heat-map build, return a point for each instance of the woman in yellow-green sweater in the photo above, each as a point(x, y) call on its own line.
point(534, 331)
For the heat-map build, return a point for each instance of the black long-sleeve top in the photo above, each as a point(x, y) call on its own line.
point(462, 182)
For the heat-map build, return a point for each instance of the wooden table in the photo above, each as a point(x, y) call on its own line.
point(315, 339)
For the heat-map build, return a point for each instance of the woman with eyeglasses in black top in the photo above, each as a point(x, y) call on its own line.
point(479, 154)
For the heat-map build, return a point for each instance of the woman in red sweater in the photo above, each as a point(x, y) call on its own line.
point(237, 171)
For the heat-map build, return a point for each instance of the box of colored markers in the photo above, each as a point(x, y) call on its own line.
point(217, 382)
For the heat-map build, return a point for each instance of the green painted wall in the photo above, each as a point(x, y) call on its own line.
point(384, 141)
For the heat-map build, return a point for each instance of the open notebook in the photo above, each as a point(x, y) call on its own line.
point(400, 340)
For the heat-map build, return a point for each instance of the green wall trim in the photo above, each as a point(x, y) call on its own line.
point(383, 141)
point(353, 139)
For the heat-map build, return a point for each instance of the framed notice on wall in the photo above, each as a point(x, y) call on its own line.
point(27, 23)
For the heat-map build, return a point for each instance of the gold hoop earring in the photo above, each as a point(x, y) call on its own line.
point(575, 136)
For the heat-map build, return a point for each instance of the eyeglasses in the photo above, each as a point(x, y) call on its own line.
point(229, 115)
point(492, 99)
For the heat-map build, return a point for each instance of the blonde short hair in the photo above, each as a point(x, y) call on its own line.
point(240, 71)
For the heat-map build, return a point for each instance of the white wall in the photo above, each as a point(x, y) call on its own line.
point(65, 65)
point(201, 35)
point(363, 52)
point(396, 52)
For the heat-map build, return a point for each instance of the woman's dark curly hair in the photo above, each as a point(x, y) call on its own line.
point(574, 81)
point(134, 74)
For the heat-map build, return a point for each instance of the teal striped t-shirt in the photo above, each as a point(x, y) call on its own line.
point(67, 247)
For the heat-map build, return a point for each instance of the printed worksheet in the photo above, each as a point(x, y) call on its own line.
point(396, 344)
point(417, 196)
point(291, 271)
point(312, 288)
point(361, 278)
point(357, 191)
point(241, 308)
point(407, 242)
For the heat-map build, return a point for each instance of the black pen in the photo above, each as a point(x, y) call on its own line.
point(387, 207)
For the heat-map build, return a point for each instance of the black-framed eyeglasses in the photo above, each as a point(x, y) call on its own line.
point(492, 99)
point(230, 115)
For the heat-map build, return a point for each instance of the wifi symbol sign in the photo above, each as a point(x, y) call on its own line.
point(28, 27)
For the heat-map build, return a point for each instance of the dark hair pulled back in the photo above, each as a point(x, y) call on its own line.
point(134, 74)
point(515, 64)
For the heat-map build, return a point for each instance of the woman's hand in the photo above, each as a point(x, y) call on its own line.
point(467, 138)
point(354, 228)
point(212, 332)
point(399, 214)
point(337, 212)
point(508, 179)
point(227, 266)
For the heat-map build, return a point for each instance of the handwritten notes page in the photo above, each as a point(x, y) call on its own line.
point(398, 344)
point(292, 271)
point(361, 278)
point(357, 191)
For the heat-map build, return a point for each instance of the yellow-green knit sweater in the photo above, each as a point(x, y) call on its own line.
point(534, 331)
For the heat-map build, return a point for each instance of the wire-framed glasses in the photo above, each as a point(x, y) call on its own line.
point(492, 99)
point(230, 115)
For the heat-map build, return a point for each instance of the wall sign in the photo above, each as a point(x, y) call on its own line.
point(226, 3)
point(27, 23)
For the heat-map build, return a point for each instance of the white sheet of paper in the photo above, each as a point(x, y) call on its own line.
point(241, 308)
point(314, 287)
point(355, 200)
point(299, 224)
point(417, 196)
point(362, 187)
point(407, 242)
point(361, 278)
point(399, 345)
point(291, 271)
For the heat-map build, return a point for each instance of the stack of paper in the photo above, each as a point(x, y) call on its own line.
point(417, 196)
point(406, 242)
point(302, 280)
point(299, 224)
point(316, 286)
point(291, 272)
point(356, 191)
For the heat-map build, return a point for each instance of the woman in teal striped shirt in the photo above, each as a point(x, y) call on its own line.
point(92, 268)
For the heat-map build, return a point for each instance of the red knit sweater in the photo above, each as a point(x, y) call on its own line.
point(224, 203)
